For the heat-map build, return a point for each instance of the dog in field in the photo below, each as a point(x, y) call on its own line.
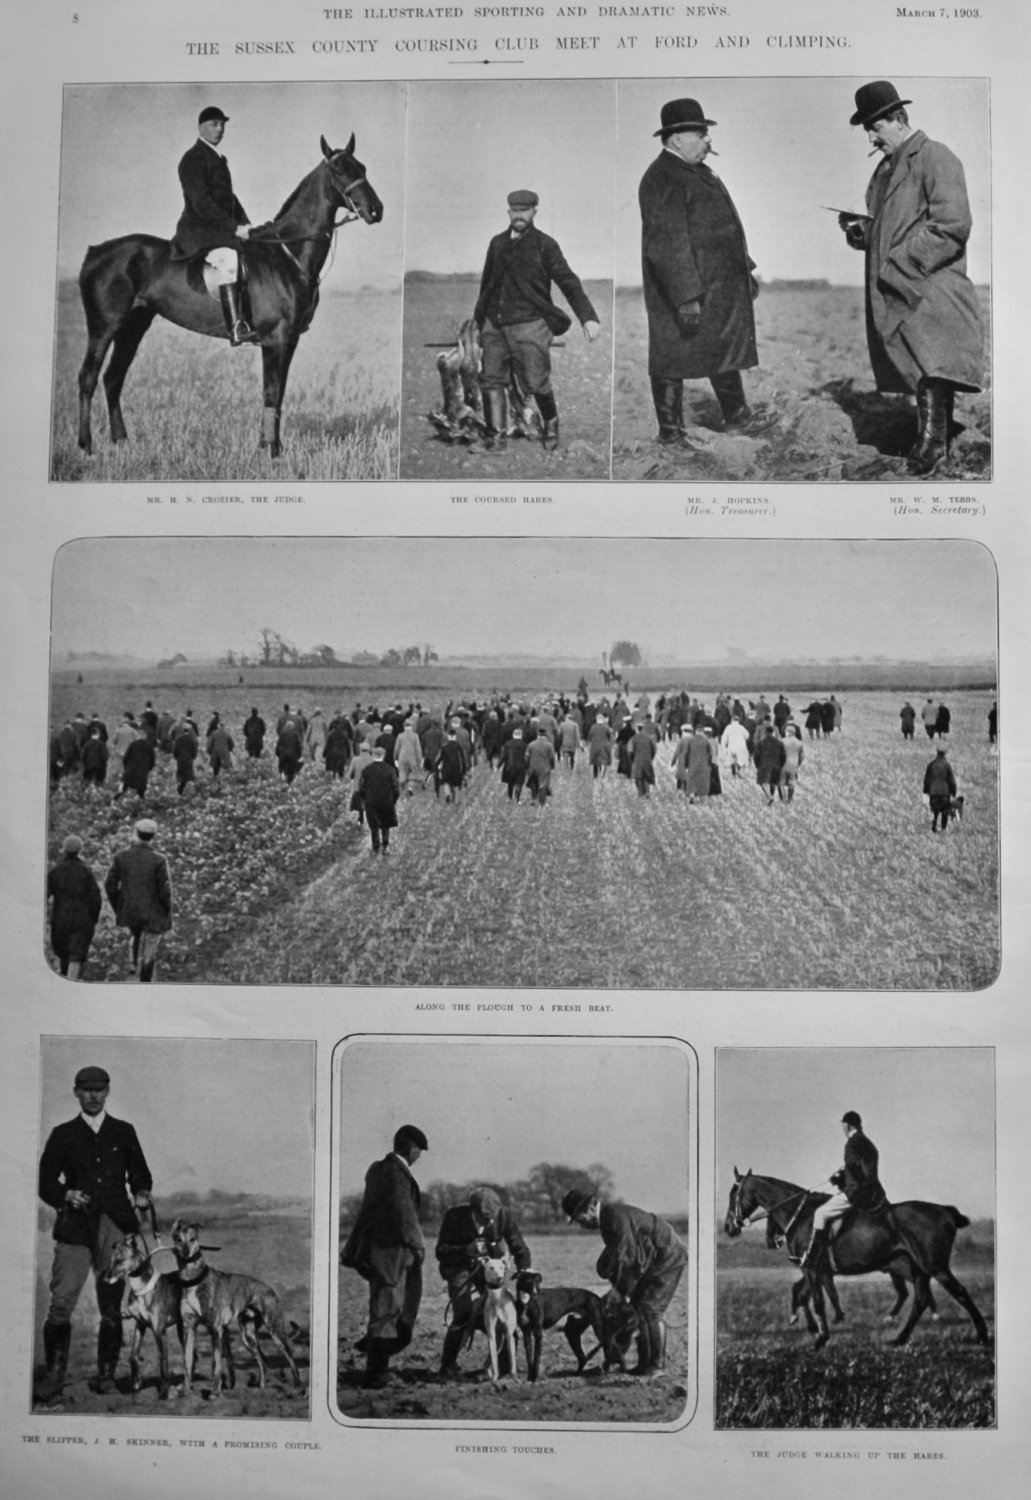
point(217, 1300)
point(574, 1310)
point(500, 1322)
point(154, 1302)
point(462, 419)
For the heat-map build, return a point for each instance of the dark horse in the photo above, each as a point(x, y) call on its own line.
point(126, 282)
point(913, 1243)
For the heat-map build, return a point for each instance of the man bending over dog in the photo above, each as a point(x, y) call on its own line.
point(471, 1233)
point(643, 1258)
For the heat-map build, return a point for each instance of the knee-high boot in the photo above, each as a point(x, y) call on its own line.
point(237, 326)
point(452, 1348)
point(934, 409)
point(57, 1340)
point(668, 399)
point(549, 416)
point(495, 411)
point(109, 1346)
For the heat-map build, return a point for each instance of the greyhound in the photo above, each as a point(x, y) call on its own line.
point(539, 1308)
point(217, 1299)
point(499, 1316)
point(154, 1303)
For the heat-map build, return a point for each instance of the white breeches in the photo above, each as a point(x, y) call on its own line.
point(225, 262)
point(836, 1207)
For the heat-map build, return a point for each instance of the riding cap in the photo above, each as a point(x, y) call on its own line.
point(575, 1201)
point(874, 101)
point(851, 1118)
point(523, 198)
point(681, 114)
point(92, 1078)
point(211, 113)
point(485, 1202)
point(413, 1135)
point(72, 844)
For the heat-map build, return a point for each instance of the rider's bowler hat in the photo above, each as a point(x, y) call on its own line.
point(874, 101)
point(681, 114)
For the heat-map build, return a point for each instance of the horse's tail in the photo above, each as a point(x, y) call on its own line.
point(114, 272)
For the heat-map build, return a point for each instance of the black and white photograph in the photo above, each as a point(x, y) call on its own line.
point(855, 1261)
point(772, 765)
point(509, 256)
point(786, 308)
point(173, 1259)
point(505, 1254)
point(266, 218)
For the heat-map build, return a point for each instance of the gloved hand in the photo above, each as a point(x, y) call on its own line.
point(689, 315)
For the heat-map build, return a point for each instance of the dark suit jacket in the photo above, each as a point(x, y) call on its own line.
point(211, 211)
point(860, 1182)
point(107, 1165)
point(388, 1217)
point(517, 280)
point(637, 1244)
point(140, 890)
point(458, 1231)
point(76, 896)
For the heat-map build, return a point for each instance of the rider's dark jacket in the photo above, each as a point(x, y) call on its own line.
point(858, 1177)
point(211, 211)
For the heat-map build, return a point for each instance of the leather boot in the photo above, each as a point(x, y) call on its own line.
point(57, 1340)
point(668, 397)
point(109, 1346)
point(377, 1364)
point(237, 326)
point(933, 405)
point(816, 1246)
point(644, 1351)
point(730, 393)
point(495, 411)
point(549, 416)
point(452, 1349)
point(659, 1348)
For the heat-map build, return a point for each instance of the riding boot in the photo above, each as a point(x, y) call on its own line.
point(377, 1364)
point(452, 1348)
point(659, 1347)
point(57, 1339)
point(730, 393)
point(933, 405)
point(109, 1346)
point(237, 326)
point(668, 398)
point(549, 416)
point(495, 411)
point(644, 1349)
point(816, 1246)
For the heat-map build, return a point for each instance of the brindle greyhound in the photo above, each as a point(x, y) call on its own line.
point(217, 1299)
point(154, 1303)
point(575, 1310)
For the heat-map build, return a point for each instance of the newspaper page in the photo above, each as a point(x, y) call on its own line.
point(534, 727)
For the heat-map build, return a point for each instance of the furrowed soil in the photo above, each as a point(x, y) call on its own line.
point(846, 888)
point(581, 375)
point(769, 1375)
point(558, 1396)
point(274, 1248)
point(814, 373)
point(192, 405)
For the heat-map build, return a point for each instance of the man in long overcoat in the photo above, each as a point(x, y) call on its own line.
point(94, 1173)
point(213, 220)
point(378, 789)
point(923, 323)
point(73, 888)
point(698, 282)
point(139, 889)
point(644, 1259)
point(518, 320)
point(386, 1248)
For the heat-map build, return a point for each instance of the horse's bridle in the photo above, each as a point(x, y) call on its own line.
point(350, 217)
point(743, 1223)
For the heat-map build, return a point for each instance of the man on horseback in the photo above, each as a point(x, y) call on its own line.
point(213, 219)
point(857, 1184)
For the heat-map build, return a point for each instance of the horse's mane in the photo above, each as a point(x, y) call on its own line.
point(288, 205)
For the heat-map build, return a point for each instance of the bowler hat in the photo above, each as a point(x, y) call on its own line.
point(681, 114)
point(211, 113)
point(575, 1201)
point(523, 198)
point(92, 1078)
point(412, 1134)
point(875, 100)
point(851, 1118)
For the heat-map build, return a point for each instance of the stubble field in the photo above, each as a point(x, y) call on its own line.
point(581, 375)
point(769, 1375)
point(559, 1395)
point(844, 889)
point(814, 372)
point(274, 1247)
point(193, 405)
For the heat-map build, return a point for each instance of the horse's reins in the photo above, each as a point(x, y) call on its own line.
point(764, 1213)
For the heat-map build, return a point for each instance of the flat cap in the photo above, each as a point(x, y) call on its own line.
point(146, 828)
point(92, 1078)
point(413, 1134)
point(72, 844)
point(523, 198)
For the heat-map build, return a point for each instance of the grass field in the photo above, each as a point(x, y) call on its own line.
point(581, 374)
point(193, 406)
point(275, 1248)
point(845, 889)
point(814, 371)
point(769, 1375)
point(559, 1395)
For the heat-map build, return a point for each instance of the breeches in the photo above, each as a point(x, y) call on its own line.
point(395, 1291)
point(836, 1207)
point(520, 350)
point(225, 262)
point(656, 1290)
point(71, 1266)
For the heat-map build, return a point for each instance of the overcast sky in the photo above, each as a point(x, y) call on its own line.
point(785, 149)
point(121, 145)
point(929, 1110)
point(234, 1115)
point(493, 1110)
point(680, 599)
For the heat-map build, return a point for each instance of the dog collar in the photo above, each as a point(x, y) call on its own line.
point(145, 1291)
point(194, 1280)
